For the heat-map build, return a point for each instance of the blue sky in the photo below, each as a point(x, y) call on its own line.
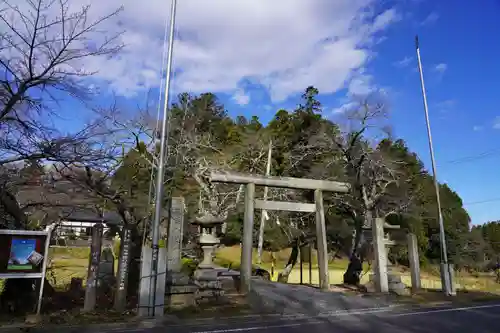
point(462, 76)
point(258, 56)
point(462, 99)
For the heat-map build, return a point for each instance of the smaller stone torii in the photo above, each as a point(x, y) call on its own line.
point(250, 181)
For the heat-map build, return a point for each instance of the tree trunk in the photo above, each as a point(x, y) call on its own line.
point(352, 275)
point(292, 260)
point(134, 274)
point(15, 219)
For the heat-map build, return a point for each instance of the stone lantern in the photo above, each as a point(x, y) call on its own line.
point(207, 225)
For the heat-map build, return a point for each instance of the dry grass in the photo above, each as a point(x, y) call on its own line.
point(73, 262)
point(430, 278)
point(232, 255)
point(63, 270)
point(65, 264)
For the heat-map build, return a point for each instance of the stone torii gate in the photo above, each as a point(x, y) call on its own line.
point(250, 181)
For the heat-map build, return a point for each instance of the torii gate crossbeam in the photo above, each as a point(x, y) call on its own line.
point(251, 204)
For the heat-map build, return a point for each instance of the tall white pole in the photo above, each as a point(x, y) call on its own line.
point(161, 165)
point(264, 212)
point(445, 271)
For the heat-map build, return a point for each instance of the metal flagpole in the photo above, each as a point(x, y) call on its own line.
point(161, 163)
point(445, 270)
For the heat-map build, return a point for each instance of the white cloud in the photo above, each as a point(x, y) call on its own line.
point(477, 128)
point(344, 108)
point(446, 105)
point(431, 18)
point(403, 62)
point(241, 98)
point(496, 123)
point(283, 45)
point(361, 84)
point(441, 68)
point(386, 18)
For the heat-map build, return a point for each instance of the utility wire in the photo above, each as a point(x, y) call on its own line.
point(481, 202)
point(472, 158)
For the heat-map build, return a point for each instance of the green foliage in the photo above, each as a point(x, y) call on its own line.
point(491, 234)
point(188, 266)
point(307, 145)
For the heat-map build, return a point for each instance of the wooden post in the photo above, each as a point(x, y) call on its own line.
point(324, 283)
point(93, 270)
point(247, 242)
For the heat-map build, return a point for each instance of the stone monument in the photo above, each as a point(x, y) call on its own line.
point(395, 283)
point(180, 291)
point(93, 270)
point(384, 278)
point(413, 257)
point(120, 301)
point(106, 275)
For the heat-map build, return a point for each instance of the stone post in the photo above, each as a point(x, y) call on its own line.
point(414, 260)
point(180, 293)
point(381, 280)
point(453, 285)
point(324, 283)
point(106, 278)
point(122, 272)
point(175, 235)
point(145, 288)
point(93, 270)
point(247, 242)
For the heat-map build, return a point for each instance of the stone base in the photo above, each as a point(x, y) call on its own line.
point(205, 274)
point(231, 284)
point(178, 297)
point(370, 287)
point(177, 279)
point(33, 319)
point(210, 293)
point(396, 286)
point(399, 289)
point(393, 278)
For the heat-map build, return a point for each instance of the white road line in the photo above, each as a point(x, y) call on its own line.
point(465, 308)
point(316, 322)
point(277, 317)
point(256, 328)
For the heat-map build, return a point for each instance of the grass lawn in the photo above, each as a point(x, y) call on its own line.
point(67, 263)
point(63, 270)
point(430, 278)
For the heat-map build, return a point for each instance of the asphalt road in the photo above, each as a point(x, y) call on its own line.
point(476, 319)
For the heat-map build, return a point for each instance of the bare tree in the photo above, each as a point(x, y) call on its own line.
point(351, 154)
point(43, 48)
